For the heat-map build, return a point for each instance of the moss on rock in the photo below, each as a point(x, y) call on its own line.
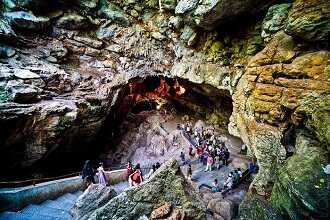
point(302, 190)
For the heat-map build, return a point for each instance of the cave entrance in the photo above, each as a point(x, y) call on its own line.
point(142, 124)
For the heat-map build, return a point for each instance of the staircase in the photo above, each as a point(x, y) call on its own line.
point(57, 209)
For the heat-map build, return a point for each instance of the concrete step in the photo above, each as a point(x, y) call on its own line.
point(25, 216)
point(36, 210)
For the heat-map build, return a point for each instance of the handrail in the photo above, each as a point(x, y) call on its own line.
point(34, 181)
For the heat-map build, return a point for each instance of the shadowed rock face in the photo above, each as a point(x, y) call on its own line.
point(165, 194)
point(93, 198)
point(62, 72)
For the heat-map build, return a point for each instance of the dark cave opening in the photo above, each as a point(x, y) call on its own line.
point(139, 95)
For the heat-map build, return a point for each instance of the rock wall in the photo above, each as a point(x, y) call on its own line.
point(62, 69)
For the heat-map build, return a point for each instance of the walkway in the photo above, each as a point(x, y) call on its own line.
point(57, 209)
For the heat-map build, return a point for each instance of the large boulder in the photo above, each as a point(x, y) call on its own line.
point(274, 20)
point(301, 190)
point(166, 186)
point(211, 13)
point(114, 13)
point(254, 207)
point(26, 21)
point(73, 21)
point(310, 20)
point(94, 197)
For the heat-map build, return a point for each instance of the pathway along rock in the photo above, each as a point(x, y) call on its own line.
point(166, 187)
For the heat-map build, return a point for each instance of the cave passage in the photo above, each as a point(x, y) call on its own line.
point(140, 100)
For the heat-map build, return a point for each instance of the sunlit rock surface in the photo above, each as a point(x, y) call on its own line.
point(166, 188)
point(65, 64)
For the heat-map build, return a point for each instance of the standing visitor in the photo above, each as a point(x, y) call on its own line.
point(129, 169)
point(217, 162)
point(136, 177)
point(216, 186)
point(229, 182)
point(152, 170)
point(226, 156)
point(101, 175)
point(87, 171)
point(189, 172)
point(209, 163)
point(183, 158)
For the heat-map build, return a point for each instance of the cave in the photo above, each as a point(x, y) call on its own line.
point(217, 103)
point(139, 98)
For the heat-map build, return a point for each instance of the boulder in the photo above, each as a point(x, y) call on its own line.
point(6, 51)
point(253, 207)
point(184, 6)
point(5, 30)
point(222, 207)
point(22, 93)
point(114, 13)
point(28, 5)
point(94, 197)
point(166, 185)
point(209, 14)
point(301, 183)
point(22, 20)
point(73, 21)
point(274, 20)
point(309, 20)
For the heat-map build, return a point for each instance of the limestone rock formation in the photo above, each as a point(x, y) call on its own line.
point(166, 186)
point(64, 66)
point(94, 197)
point(310, 20)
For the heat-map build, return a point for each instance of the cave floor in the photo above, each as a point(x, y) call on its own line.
point(148, 138)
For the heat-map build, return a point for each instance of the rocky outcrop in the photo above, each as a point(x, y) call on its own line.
point(309, 20)
point(62, 71)
point(93, 198)
point(165, 194)
point(209, 14)
point(301, 184)
point(254, 207)
point(275, 88)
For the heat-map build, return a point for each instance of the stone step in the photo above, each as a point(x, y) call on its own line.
point(36, 210)
point(58, 204)
point(24, 216)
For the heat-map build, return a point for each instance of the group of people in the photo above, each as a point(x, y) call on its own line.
point(88, 174)
point(210, 149)
point(135, 176)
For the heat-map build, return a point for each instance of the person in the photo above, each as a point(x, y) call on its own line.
point(209, 163)
point(240, 173)
point(89, 181)
point(215, 186)
point(200, 152)
point(189, 172)
point(217, 162)
point(183, 158)
point(129, 169)
point(236, 177)
point(87, 171)
point(136, 177)
point(101, 175)
point(226, 156)
point(191, 150)
point(157, 165)
point(243, 149)
point(229, 182)
point(252, 167)
point(152, 170)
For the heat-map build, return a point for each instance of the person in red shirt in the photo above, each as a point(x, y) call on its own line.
point(129, 169)
point(136, 177)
